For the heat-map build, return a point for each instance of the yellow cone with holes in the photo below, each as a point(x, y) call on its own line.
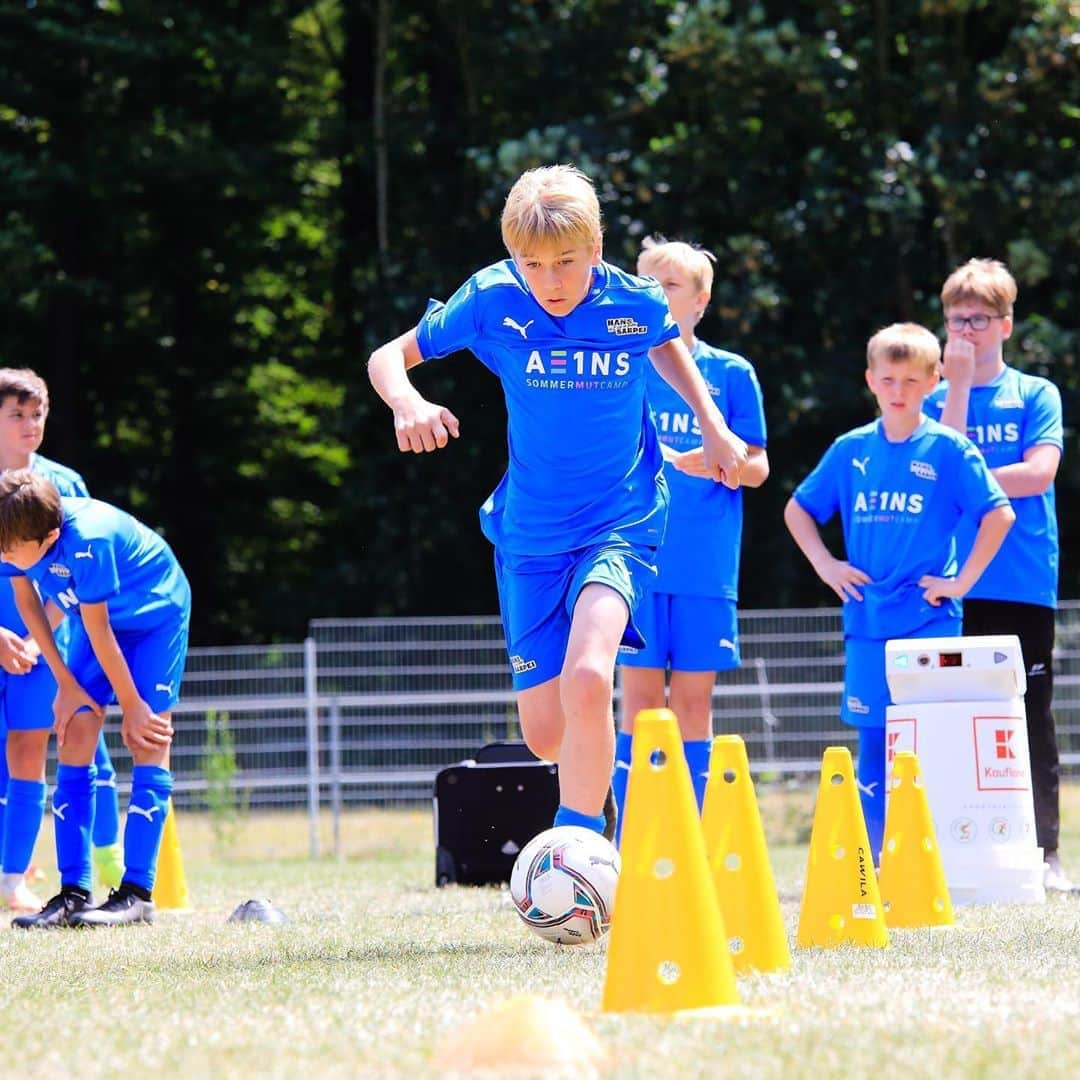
point(841, 904)
point(913, 887)
point(170, 885)
point(668, 951)
point(739, 860)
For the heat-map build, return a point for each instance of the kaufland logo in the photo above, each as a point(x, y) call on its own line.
point(1000, 764)
point(1003, 744)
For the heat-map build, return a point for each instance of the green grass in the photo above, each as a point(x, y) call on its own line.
point(377, 966)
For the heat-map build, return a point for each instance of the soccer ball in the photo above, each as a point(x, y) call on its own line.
point(563, 884)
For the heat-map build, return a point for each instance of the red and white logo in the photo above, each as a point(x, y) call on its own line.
point(1001, 761)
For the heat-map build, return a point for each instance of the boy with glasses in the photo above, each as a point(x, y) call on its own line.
point(1015, 419)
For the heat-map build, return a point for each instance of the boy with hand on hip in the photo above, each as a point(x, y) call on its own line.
point(1016, 421)
point(27, 687)
point(902, 485)
point(130, 606)
point(689, 619)
point(576, 520)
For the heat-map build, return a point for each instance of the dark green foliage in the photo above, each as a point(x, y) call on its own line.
point(211, 212)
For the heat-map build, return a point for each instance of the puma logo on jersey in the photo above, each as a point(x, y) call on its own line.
point(860, 465)
point(87, 554)
point(522, 330)
point(725, 644)
point(141, 812)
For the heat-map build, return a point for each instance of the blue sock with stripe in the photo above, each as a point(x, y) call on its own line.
point(870, 775)
point(73, 823)
point(565, 816)
point(624, 743)
point(106, 800)
point(697, 753)
point(151, 787)
point(22, 823)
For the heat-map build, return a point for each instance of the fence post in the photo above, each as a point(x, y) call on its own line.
point(311, 701)
point(768, 717)
point(335, 773)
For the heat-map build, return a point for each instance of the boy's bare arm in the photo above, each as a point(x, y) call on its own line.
point(725, 453)
point(992, 529)
point(420, 425)
point(40, 626)
point(958, 368)
point(142, 728)
point(843, 578)
point(692, 462)
point(1032, 476)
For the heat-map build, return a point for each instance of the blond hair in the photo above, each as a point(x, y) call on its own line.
point(551, 204)
point(657, 252)
point(904, 341)
point(981, 281)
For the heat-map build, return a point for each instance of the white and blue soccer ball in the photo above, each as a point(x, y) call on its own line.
point(563, 884)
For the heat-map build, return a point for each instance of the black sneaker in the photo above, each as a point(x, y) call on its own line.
point(611, 816)
point(128, 904)
point(58, 912)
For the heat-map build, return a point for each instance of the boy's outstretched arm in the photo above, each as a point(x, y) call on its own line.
point(70, 696)
point(992, 529)
point(725, 453)
point(142, 728)
point(420, 425)
point(843, 578)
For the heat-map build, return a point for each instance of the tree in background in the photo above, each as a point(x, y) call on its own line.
point(209, 216)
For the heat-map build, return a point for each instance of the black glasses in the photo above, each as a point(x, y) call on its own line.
point(976, 322)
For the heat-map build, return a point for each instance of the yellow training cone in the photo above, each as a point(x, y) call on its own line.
point(912, 883)
point(668, 950)
point(841, 903)
point(524, 1034)
point(739, 859)
point(170, 887)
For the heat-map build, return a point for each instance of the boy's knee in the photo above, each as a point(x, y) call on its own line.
point(586, 684)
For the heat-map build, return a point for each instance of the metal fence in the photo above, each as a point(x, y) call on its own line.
point(366, 711)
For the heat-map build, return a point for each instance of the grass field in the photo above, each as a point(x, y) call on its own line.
point(377, 966)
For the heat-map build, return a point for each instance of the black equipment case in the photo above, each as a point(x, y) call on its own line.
point(487, 809)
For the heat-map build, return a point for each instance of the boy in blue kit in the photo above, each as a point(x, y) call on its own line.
point(1016, 421)
point(27, 687)
point(902, 486)
point(130, 606)
point(576, 520)
point(689, 619)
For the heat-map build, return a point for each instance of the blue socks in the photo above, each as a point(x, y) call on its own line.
point(870, 777)
point(151, 787)
point(623, 745)
point(565, 816)
point(26, 806)
point(697, 758)
point(106, 802)
point(73, 813)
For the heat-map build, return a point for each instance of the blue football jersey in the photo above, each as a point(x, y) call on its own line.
point(584, 460)
point(900, 505)
point(104, 555)
point(68, 482)
point(700, 552)
point(1006, 418)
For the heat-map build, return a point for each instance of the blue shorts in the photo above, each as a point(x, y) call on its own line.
point(155, 658)
point(687, 633)
point(866, 692)
point(537, 594)
point(26, 701)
